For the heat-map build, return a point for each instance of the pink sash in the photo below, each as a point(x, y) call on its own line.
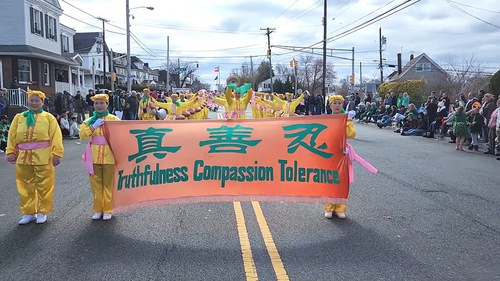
point(33, 145)
point(354, 156)
point(234, 112)
point(87, 155)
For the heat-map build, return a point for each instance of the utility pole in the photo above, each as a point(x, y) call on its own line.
point(168, 63)
point(380, 52)
point(323, 91)
point(352, 71)
point(268, 33)
point(360, 76)
point(251, 71)
point(111, 66)
point(103, 49)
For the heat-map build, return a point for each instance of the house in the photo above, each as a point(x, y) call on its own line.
point(420, 67)
point(90, 47)
point(31, 47)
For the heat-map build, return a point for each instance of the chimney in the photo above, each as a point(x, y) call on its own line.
point(399, 64)
point(411, 57)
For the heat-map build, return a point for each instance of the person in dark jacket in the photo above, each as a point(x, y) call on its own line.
point(475, 121)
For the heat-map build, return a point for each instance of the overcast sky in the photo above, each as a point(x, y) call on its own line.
point(228, 33)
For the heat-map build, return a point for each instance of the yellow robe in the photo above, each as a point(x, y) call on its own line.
point(102, 181)
point(238, 104)
point(146, 104)
point(289, 107)
point(178, 109)
point(351, 133)
point(273, 107)
point(35, 173)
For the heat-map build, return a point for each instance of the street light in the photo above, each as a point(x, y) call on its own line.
point(129, 62)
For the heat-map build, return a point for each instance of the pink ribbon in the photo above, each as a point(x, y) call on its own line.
point(354, 156)
point(234, 112)
point(87, 155)
point(33, 145)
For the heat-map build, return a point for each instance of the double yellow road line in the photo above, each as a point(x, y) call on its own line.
point(246, 248)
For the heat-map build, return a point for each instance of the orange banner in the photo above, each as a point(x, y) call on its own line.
point(287, 159)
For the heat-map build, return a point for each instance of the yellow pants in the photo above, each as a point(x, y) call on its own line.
point(35, 185)
point(101, 184)
point(335, 208)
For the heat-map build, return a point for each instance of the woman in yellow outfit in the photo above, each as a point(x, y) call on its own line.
point(35, 146)
point(146, 105)
point(175, 108)
point(99, 159)
point(238, 104)
point(336, 104)
point(289, 105)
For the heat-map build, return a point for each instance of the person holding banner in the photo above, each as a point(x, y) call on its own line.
point(35, 146)
point(336, 104)
point(146, 104)
point(242, 97)
point(99, 159)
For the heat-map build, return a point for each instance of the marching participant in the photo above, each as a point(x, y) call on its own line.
point(35, 146)
point(146, 104)
point(289, 105)
point(99, 159)
point(336, 104)
point(175, 109)
point(222, 102)
point(238, 104)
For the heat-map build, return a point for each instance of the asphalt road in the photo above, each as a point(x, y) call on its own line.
point(431, 213)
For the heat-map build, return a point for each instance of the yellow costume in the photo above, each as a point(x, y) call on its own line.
point(103, 161)
point(351, 133)
point(288, 106)
point(33, 147)
point(175, 108)
point(145, 104)
point(238, 106)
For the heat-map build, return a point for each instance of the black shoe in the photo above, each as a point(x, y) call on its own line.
point(470, 147)
point(475, 147)
point(452, 141)
point(487, 152)
point(498, 159)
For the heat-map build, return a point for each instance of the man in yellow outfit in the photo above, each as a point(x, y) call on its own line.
point(289, 105)
point(99, 159)
point(35, 145)
point(238, 104)
point(336, 104)
point(146, 105)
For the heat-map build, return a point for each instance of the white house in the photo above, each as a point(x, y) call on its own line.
point(31, 45)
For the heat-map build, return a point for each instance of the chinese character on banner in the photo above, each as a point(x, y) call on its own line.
point(216, 69)
point(149, 142)
point(229, 139)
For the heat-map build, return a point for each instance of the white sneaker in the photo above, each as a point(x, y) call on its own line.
point(340, 215)
point(27, 219)
point(106, 217)
point(97, 216)
point(328, 215)
point(41, 218)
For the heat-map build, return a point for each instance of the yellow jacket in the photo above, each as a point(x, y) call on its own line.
point(238, 104)
point(146, 105)
point(289, 107)
point(101, 154)
point(46, 128)
point(351, 130)
point(178, 109)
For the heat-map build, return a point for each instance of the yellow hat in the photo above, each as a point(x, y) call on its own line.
point(336, 97)
point(281, 96)
point(174, 96)
point(103, 97)
point(40, 94)
point(146, 90)
point(182, 95)
point(289, 94)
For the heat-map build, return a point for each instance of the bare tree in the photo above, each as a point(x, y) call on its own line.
point(178, 74)
point(463, 75)
point(311, 73)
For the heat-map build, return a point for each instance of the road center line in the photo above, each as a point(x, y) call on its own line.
point(246, 249)
point(279, 268)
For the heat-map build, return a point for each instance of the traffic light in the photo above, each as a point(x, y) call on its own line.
point(197, 65)
point(291, 63)
point(295, 63)
point(293, 86)
point(352, 79)
point(269, 53)
point(114, 76)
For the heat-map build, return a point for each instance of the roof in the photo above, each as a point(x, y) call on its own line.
point(84, 41)
point(412, 63)
point(29, 51)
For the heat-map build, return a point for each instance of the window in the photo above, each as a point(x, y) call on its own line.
point(46, 74)
point(50, 25)
point(65, 43)
point(426, 66)
point(99, 63)
point(24, 70)
point(36, 19)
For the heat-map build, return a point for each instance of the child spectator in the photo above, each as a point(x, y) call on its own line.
point(460, 129)
point(64, 123)
point(475, 122)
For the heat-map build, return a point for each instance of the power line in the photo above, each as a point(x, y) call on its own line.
point(473, 7)
point(282, 12)
point(456, 7)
